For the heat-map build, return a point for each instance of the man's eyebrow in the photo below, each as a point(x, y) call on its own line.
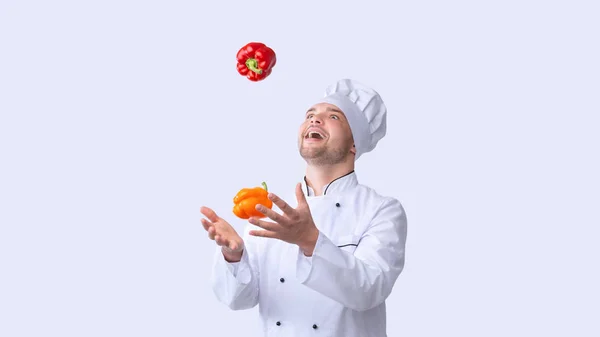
point(328, 109)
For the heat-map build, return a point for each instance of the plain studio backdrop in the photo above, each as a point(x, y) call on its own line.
point(119, 119)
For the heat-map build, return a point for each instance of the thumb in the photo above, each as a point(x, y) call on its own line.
point(300, 195)
point(235, 245)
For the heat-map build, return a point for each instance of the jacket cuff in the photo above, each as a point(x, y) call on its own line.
point(305, 264)
point(240, 271)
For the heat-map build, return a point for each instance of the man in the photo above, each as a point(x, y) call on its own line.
point(324, 266)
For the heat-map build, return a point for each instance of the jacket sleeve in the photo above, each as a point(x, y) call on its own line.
point(236, 284)
point(363, 279)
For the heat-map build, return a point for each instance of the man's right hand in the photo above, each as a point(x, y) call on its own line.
point(223, 234)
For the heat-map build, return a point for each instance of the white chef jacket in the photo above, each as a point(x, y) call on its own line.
point(338, 291)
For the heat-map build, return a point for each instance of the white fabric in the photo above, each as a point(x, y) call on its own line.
point(342, 287)
point(365, 110)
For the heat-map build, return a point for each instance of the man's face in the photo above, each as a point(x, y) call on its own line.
point(325, 137)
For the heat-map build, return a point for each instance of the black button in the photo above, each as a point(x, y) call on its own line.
point(278, 323)
point(337, 204)
point(315, 326)
point(282, 280)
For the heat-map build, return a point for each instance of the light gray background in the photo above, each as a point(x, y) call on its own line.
point(114, 114)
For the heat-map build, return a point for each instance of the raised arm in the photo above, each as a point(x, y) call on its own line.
point(235, 269)
point(365, 278)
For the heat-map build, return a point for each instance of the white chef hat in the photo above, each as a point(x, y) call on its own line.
point(364, 109)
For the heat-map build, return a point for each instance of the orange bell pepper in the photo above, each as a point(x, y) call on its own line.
point(246, 199)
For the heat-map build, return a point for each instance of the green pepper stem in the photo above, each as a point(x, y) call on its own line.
point(252, 64)
point(264, 186)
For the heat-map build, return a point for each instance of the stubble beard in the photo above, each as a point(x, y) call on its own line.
point(323, 156)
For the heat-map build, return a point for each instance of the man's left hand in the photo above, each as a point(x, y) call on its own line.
point(294, 226)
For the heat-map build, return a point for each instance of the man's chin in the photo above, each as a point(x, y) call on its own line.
point(308, 153)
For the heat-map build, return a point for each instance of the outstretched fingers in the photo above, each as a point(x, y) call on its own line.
point(263, 233)
point(221, 241)
point(267, 225)
point(282, 205)
point(205, 223)
point(209, 213)
point(271, 214)
point(212, 232)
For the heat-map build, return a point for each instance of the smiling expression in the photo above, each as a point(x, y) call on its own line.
point(325, 136)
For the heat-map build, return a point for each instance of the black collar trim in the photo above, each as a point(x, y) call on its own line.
point(325, 192)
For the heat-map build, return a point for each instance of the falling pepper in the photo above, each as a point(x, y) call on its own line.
point(255, 61)
point(246, 199)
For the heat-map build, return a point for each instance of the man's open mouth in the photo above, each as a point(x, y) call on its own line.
point(313, 134)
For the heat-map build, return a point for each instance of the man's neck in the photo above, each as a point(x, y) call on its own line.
point(319, 176)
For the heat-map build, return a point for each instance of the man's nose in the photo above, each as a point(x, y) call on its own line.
point(315, 119)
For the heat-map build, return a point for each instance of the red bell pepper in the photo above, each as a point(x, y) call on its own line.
point(255, 61)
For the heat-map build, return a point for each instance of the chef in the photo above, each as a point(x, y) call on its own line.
point(326, 262)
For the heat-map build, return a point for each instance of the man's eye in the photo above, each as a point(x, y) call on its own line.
point(309, 116)
point(335, 117)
